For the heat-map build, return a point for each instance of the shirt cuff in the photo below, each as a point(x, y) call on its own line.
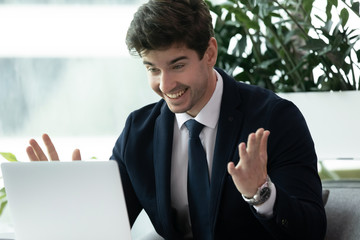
point(267, 208)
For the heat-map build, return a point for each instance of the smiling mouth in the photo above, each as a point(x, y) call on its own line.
point(176, 95)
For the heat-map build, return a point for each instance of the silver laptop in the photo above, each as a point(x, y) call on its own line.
point(66, 200)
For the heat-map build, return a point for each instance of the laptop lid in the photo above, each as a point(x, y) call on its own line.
point(66, 200)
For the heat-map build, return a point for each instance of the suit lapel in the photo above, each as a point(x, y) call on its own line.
point(229, 127)
point(163, 139)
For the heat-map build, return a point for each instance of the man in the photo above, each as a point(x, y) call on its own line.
point(261, 186)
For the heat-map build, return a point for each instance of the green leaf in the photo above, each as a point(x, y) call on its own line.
point(9, 156)
point(307, 5)
point(275, 14)
point(324, 51)
point(240, 47)
point(313, 60)
point(2, 193)
point(319, 18)
point(328, 10)
point(290, 36)
point(255, 11)
point(242, 77)
point(243, 18)
point(267, 63)
point(356, 7)
point(333, 2)
point(228, 6)
point(344, 16)
point(3, 199)
point(358, 55)
point(314, 44)
point(2, 206)
point(327, 28)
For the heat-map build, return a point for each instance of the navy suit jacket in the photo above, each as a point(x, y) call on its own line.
point(143, 152)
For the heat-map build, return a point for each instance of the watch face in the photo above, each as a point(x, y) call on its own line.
point(265, 193)
point(262, 195)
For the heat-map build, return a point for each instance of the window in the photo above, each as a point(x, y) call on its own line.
point(65, 70)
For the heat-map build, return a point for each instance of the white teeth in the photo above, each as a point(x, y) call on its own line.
point(176, 95)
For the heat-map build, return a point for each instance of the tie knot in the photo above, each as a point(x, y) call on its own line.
point(194, 128)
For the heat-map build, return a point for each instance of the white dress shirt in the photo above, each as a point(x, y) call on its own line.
point(209, 117)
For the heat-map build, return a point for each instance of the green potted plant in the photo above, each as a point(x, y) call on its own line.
point(274, 44)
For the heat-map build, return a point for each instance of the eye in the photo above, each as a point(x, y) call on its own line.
point(152, 69)
point(178, 66)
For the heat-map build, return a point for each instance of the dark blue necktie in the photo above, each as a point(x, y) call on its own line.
point(198, 183)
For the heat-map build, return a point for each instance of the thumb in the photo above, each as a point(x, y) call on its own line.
point(76, 155)
point(231, 168)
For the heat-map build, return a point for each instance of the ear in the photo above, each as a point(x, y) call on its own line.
point(211, 52)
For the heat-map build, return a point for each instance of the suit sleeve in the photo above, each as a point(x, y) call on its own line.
point(292, 166)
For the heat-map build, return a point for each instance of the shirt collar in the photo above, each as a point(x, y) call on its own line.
point(209, 115)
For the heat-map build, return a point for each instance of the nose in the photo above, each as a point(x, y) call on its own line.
point(166, 82)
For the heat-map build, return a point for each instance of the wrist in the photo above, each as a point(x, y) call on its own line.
point(262, 195)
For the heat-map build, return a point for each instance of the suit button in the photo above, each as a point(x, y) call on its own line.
point(284, 222)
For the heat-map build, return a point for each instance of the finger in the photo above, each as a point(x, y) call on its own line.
point(251, 142)
point(31, 154)
point(263, 144)
point(259, 133)
point(37, 150)
point(76, 155)
point(242, 153)
point(50, 147)
point(231, 168)
point(255, 140)
point(258, 136)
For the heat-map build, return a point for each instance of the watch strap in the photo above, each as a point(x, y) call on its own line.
point(262, 195)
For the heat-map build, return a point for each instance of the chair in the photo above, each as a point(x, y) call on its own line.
point(342, 209)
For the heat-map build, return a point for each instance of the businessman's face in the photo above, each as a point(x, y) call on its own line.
point(184, 81)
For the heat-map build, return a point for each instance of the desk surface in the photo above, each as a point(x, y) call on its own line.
point(142, 229)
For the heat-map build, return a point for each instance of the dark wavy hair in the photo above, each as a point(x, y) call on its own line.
point(159, 24)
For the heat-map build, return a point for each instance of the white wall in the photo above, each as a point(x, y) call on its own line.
point(333, 119)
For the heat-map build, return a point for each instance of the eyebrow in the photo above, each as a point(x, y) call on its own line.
point(170, 63)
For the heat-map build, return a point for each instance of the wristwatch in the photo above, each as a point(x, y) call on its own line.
point(263, 193)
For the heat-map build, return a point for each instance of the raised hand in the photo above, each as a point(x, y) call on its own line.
point(251, 171)
point(35, 153)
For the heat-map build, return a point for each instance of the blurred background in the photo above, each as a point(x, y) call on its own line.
point(65, 70)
